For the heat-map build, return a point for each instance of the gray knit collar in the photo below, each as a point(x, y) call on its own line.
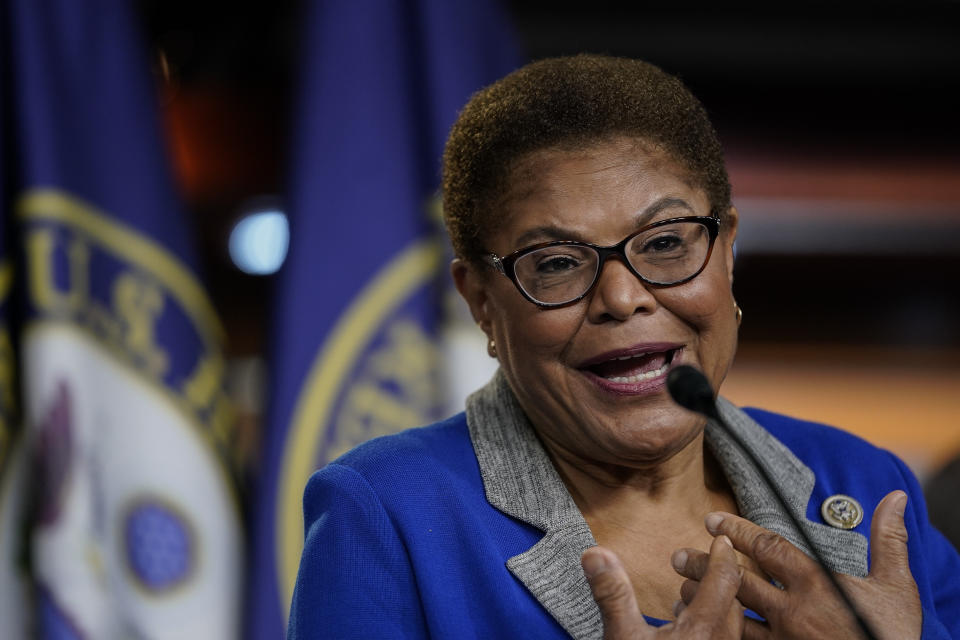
point(520, 480)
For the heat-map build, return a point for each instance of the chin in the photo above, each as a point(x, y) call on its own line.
point(654, 438)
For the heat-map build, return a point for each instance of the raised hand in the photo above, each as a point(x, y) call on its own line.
point(714, 613)
point(808, 606)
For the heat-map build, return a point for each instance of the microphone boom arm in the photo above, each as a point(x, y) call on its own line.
point(690, 389)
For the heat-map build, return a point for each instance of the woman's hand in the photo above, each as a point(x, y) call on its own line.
point(808, 606)
point(713, 614)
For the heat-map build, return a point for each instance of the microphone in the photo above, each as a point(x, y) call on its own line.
point(690, 389)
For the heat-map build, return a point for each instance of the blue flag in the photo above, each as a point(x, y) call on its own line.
point(354, 338)
point(14, 586)
point(135, 527)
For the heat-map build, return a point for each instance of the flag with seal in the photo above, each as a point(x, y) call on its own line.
point(355, 351)
point(128, 443)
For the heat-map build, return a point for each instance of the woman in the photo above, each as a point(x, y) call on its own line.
point(589, 207)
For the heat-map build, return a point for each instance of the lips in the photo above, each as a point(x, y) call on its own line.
point(634, 365)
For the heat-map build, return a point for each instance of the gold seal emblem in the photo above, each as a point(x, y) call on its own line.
point(842, 512)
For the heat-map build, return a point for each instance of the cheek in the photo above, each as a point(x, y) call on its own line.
point(704, 302)
point(708, 309)
point(527, 331)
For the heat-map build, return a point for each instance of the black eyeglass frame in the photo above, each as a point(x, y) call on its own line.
point(505, 264)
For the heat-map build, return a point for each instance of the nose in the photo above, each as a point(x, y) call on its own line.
point(619, 294)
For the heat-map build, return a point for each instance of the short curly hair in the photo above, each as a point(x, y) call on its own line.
point(569, 103)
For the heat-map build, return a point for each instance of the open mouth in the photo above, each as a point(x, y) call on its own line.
point(633, 368)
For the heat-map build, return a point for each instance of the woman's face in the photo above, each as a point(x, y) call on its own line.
point(592, 375)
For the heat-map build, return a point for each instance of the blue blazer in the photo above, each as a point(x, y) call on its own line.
point(401, 541)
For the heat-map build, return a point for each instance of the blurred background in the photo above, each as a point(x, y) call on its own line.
point(285, 123)
point(840, 126)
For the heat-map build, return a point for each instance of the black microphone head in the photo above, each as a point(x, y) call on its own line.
point(690, 389)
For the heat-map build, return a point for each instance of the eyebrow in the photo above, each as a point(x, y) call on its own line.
point(646, 216)
point(548, 233)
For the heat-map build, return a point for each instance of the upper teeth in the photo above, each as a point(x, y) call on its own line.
point(636, 355)
point(641, 376)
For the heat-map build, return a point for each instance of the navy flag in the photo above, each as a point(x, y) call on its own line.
point(354, 337)
point(14, 586)
point(135, 527)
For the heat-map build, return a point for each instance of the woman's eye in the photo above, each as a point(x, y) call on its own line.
point(663, 244)
point(557, 264)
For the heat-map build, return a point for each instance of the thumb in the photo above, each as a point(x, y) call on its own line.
point(888, 540)
point(613, 592)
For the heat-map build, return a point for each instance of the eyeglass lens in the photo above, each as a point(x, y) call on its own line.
point(662, 255)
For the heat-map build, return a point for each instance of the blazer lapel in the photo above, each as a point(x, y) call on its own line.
point(844, 551)
point(520, 480)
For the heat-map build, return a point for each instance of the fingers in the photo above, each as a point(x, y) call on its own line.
point(690, 563)
point(888, 540)
point(756, 630)
point(755, 591)
point(715, 611)
point(774, 554)
point(613, 592)
point(716, 594)
point(752, 629)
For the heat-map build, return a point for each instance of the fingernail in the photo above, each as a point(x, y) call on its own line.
point(900, 502)
point(727, 540)
point(679, 559)
point(594, 563)
point(678, 607)
point(713, 521)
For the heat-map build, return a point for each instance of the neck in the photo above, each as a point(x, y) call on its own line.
point(690, 480)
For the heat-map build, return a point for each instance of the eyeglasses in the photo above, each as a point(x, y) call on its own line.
point(665, 253)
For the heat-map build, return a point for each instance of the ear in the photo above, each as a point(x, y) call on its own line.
point(728, 234)
point(472, 286)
